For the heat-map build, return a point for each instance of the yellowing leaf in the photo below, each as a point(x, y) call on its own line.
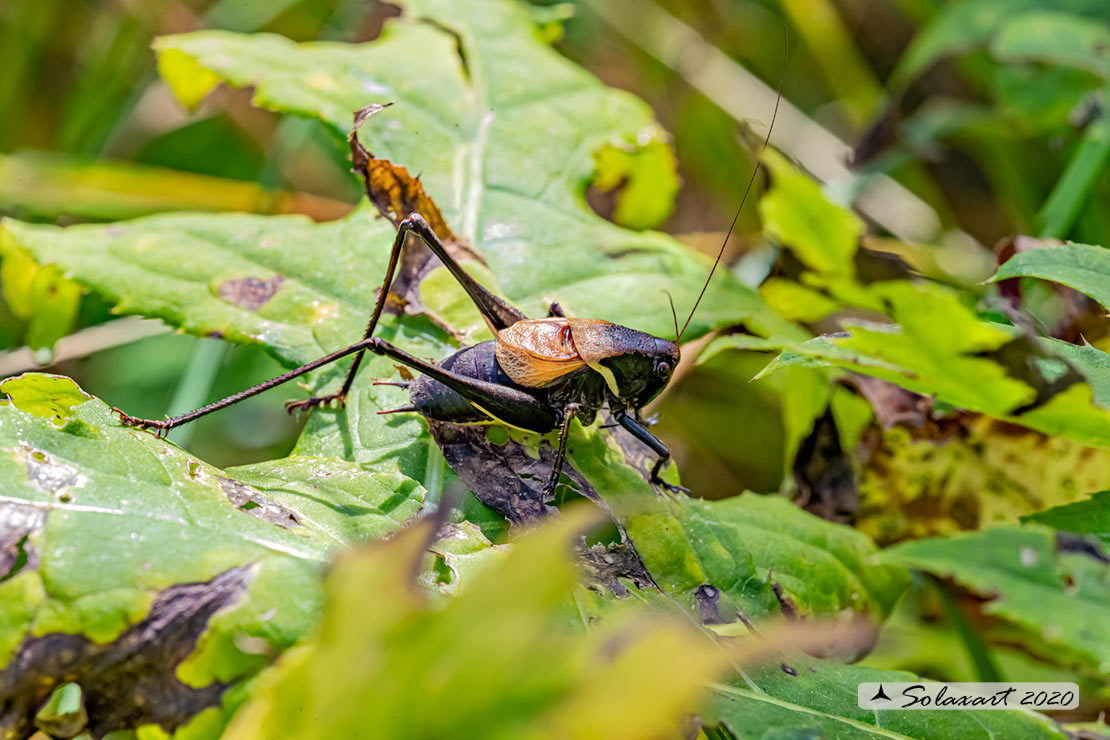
point(647, 177)
point(52, 396)
point(797, 214)
point(189, 81)
point(504, 659)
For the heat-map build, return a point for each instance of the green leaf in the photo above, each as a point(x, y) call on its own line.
point(809, 698)
point(937, 351)
point(1058, 600)
point(1083, 267)
point(737, 545)
point(647, 180)
point(1092, 362)
point(468, 131)
point(462, 551)
point(720, 344)
point(961, 27)
point(1055, 37)
point(1090, 516)
point(189, 81)
point(796, 301)
point(51, 396)
point(64, 712)
point(823, 567)
point(1038, 99)
point(386, 654)
point(260, 279)
point(106, 527)
point(41, 295)
point(797, 215)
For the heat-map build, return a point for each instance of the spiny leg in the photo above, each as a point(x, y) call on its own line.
point(561, 451)
point(641, 433)
point(379, 306)
point(162, 426)
point(497, 313)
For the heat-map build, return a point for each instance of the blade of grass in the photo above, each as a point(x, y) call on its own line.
point(986, 669)
point(1072, 190)
point(48, 185)
point(826, 37)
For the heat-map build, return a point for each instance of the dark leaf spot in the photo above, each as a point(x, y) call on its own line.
point(789, 670)
point(503, 477)
point(17, 523)
point(46, 473)
point(786, 604)
point(250, 292)
point(608, 565)
point(1074, 543)
point(128, 682)
point(708, 599)
point(257, 504)
point(824, 475)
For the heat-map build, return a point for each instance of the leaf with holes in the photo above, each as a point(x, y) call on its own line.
point(149, 577)
point(504, 132)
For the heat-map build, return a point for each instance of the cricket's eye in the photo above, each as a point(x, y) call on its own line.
point(663, 367)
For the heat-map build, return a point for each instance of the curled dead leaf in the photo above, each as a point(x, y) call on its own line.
point(397, 194)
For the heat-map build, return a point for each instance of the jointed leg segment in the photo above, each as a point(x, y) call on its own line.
point(498, 315)
point(164, 425)
point(641, 433)
point(561, 451)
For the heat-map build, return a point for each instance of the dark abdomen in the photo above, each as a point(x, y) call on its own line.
point(437, 401)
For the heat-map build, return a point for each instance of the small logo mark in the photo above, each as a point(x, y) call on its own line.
point(880, 694)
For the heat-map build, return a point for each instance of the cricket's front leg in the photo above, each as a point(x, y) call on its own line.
point(641, 433)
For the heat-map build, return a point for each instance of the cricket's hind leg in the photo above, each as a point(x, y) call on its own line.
point(500, 402)
point(405, 384)
point(162, 426)
point(497, 313)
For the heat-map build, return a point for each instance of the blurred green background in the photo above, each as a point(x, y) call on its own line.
point(92, 134)
point(978, 142)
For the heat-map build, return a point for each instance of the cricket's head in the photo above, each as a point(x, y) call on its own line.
point(636, 366)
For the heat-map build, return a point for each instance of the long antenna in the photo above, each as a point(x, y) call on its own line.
point(751, 181)
point(674, 314)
